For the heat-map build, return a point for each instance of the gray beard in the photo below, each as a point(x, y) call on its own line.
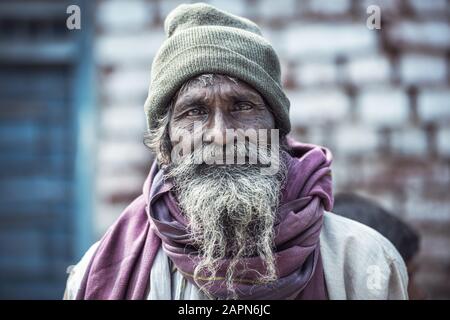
point(231, 211)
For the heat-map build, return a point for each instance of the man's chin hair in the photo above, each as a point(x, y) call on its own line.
point(231, 211)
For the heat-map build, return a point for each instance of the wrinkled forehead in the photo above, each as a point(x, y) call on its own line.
point(204, 87)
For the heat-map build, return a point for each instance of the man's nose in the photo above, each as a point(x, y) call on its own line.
point(217, 129)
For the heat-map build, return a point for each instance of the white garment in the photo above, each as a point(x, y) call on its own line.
point(358, 262)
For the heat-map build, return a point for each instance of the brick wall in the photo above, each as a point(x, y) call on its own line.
point(379, 99)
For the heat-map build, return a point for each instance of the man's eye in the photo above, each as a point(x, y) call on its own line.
point(195, 112)
point(243, 106)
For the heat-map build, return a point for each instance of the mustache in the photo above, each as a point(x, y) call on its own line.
point(239, 154)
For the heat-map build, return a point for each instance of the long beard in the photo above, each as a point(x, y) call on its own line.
point(231, 211)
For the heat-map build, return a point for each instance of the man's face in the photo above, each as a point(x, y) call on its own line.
point(231, 209)
point(223, 105)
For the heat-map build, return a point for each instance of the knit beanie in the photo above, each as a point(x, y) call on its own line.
point(203, 39)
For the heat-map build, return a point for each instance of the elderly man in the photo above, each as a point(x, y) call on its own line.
point(211, 222)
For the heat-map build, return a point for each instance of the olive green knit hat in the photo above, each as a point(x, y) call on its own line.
point(203, 39)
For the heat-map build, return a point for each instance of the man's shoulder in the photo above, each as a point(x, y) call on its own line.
point(353, 252)
point(77, 272)
point(347, 232)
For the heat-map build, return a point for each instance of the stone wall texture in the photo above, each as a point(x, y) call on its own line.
point(379, 99)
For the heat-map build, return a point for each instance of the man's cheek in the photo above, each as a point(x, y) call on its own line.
point(181, 140)
point(256, 122)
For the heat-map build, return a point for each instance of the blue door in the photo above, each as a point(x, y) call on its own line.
point(45, 160)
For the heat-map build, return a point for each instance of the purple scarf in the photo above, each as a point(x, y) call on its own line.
point(121, 266)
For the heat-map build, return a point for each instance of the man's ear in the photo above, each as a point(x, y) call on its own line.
point(284, 146)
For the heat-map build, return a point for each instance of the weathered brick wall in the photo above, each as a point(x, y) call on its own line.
point(379, 99)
